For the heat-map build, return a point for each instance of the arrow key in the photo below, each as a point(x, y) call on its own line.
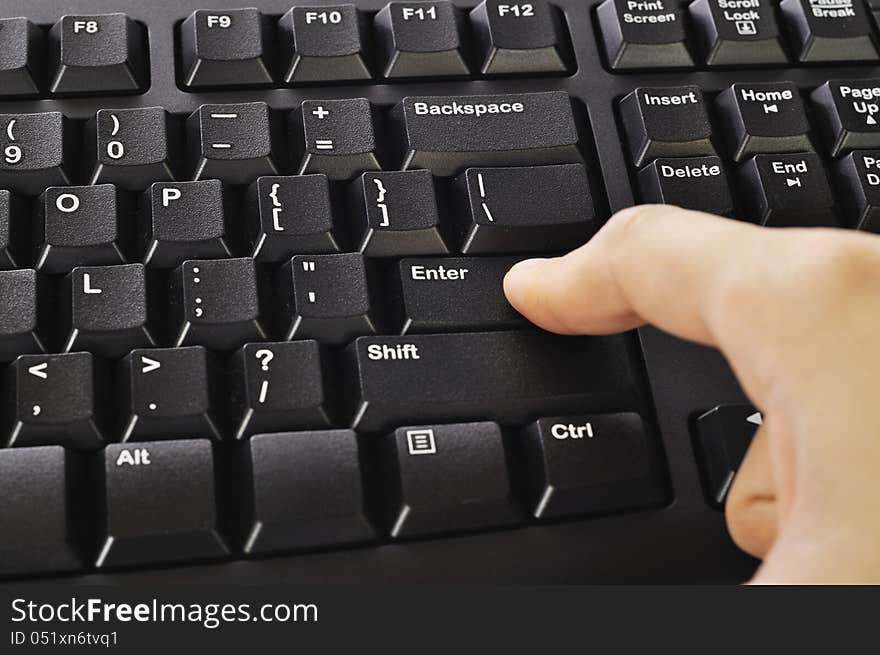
point(722, 437)
point(763, 118)
point(51, 400)
point(168, 393)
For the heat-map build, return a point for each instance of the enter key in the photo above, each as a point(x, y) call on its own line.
point(451, 294)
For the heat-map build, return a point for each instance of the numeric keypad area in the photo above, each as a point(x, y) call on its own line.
point(767, 152)
point(340, 43)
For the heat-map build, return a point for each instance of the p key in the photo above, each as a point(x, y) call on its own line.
point(233, 143)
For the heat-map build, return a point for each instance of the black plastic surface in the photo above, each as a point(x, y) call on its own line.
point(684, 542)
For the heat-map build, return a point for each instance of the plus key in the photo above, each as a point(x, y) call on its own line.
point(337, 137)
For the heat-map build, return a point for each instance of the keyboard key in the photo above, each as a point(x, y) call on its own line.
point(104, 310)
point(22, 61)
point(646, 34)
point(859, 177)
point(420, 39)
point(38, 486)
point(723, 435)
point(587, 464)
point(181, 220)
point(142, 526)
point(279, 385)
point(446, 478)
point(225, 48)
point(289, 215)
point(787, 190)
point(13, 231)
point(455, 293)
point(307, 492)
point(54, 400)
point(398, 214)
point(505, 376)
point(20, 303)
point(517, 37)
point(326, 297)
point(763, 118)
point(323, 44)
point(36, 151)
point(337, 137)
point(215, 303)
point(738, 33)
point(233, 142)
point(828, 32)
point(446, 134)
point(166, 393)
point(97, 53)
point(132, 148)
point(698, 183)
point(849, 113)
point(529, 209)
point(81, 226)
point(666, 122)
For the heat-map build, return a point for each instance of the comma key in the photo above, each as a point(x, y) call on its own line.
point(503, 376)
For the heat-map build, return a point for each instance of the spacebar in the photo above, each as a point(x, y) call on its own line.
point(509, 377)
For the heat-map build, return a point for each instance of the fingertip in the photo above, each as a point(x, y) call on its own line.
point(518, 280)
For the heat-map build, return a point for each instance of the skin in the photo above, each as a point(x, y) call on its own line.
point(796, 312)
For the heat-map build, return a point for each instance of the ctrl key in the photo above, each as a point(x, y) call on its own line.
point(446, 478)
point(159, 504)
point(589, 464)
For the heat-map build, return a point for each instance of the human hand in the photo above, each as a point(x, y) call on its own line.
point(797, 314)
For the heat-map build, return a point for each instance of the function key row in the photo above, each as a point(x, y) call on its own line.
point(238, 143)
point(765, 128)
point(663, 34)
point(294, 491)
point(80, 54)
point(379, 214)
point(338, 43)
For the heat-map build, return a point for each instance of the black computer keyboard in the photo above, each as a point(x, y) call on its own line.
point(251, 316)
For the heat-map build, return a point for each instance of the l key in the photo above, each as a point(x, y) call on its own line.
point(105, 310)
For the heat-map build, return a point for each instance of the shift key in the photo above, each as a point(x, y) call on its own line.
point(509, 377)
point(447, 134)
